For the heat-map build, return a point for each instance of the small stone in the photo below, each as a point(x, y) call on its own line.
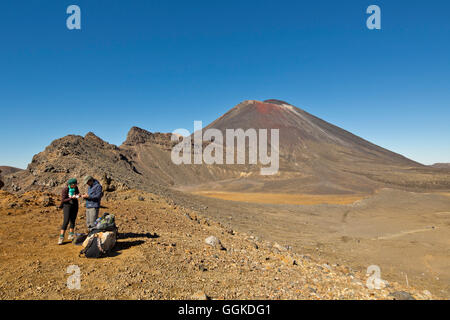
point(214, 242)
point(200, 295)
point(279, 247)
point(427, 293)
point(202, 268)
point(231, 231)
point(327, 266)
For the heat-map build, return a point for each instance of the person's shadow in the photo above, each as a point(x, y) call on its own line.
point(124, 245)
point(132, 235)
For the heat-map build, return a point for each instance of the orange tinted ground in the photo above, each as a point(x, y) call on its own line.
point(275, 198)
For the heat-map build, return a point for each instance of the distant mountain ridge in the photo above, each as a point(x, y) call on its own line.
point(315, 157)
point(441, 165)
point(8, 170)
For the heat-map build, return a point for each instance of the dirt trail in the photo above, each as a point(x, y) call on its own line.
point(403, 233)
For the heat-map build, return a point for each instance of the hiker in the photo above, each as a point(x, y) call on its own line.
point(69, 204)
point(93, 199)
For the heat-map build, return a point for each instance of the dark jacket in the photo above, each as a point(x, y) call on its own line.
point(95, 193)
point(65, 197)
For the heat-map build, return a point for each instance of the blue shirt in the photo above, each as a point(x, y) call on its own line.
point(95, 193)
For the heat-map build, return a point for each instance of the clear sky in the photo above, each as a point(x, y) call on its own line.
point(162, 64)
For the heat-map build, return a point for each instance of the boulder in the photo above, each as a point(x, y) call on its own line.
point(214, 242)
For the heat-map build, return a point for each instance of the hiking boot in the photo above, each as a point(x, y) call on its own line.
point(60, 240)
point(71, 236)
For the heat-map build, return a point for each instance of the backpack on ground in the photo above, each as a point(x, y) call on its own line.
point(92, 248)
point(101, 238)
point(99, 244)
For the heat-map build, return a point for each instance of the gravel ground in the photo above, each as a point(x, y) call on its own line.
point(161, 254)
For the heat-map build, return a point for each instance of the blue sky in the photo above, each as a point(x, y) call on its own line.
point(160, 65)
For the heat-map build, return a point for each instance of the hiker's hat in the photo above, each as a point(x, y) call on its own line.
point(72, 181)
point(87, 178)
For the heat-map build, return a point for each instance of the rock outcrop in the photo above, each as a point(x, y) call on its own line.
point(77, 156)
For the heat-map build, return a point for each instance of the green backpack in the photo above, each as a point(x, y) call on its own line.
point(106, 223)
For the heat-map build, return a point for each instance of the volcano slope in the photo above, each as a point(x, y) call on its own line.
point(317, 157)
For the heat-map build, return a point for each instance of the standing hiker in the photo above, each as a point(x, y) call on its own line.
point(93, 199)
point(69, 204)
